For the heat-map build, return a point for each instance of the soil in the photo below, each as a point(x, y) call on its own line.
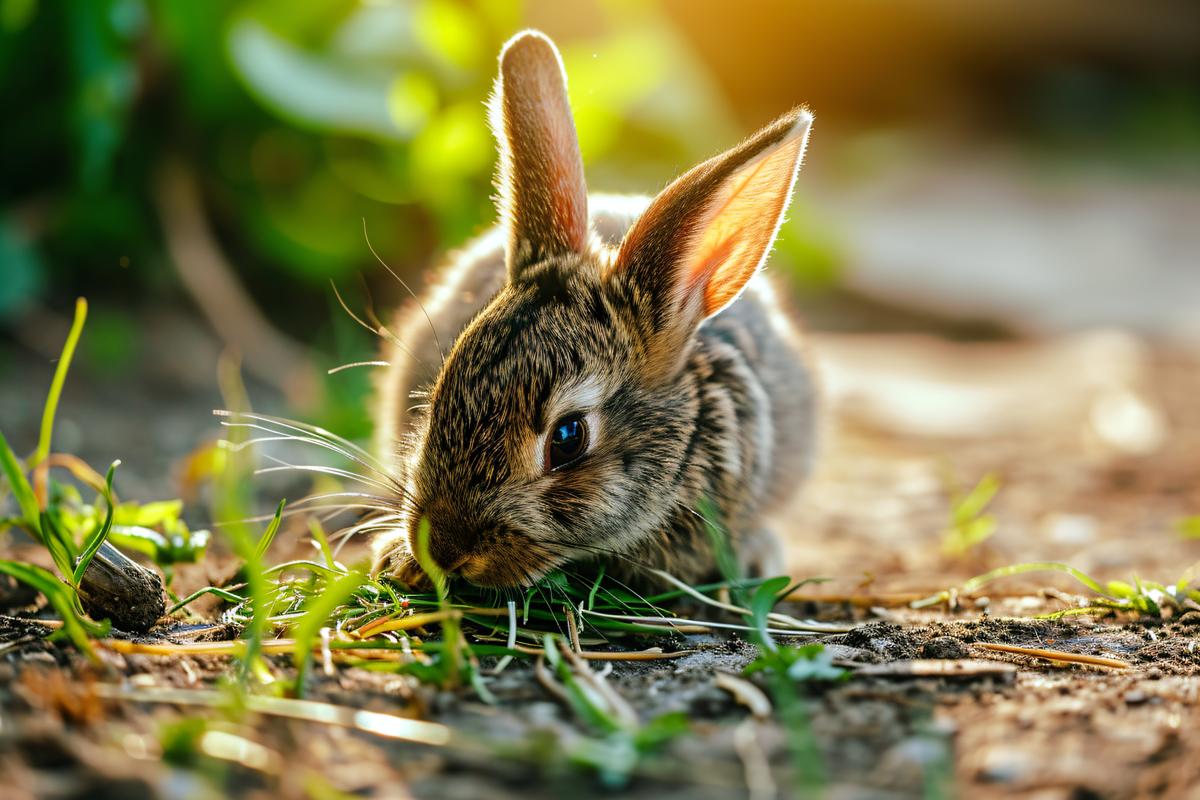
point(906, 725)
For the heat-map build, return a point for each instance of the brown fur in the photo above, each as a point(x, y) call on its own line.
point(696, 389)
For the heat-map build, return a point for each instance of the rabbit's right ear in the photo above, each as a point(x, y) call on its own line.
point(704, 237)
point(542, 194)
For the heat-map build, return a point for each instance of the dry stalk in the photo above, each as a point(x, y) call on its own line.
point(1056, 655)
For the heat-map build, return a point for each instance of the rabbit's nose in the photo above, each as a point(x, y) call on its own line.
point(446, 551)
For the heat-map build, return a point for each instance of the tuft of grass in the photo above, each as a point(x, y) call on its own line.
point(970, 525)
point(76, 626)
point(72, 530)
point(317, 611)
point(71, 546)
point(1137, 596)
point(619, 742)
point(783, 667)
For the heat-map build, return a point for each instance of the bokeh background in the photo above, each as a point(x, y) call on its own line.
point(1014, 175)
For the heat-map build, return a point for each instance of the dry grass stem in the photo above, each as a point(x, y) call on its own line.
point(1056, 655)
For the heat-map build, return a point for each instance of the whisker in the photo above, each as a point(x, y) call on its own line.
point(334, 471)
point(335, 370)
point(420, 305)
point(538, 587)
point(387, 481)
point(301, 427)
point(290, 437)
point(619, 582)
point(357, 495)
point(346, 308)
point(379, 329)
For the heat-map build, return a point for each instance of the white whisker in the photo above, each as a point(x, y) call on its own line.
point(335, 370)
point(420, 305)
point(334, 471)
point(301, 427)
point(291, 437)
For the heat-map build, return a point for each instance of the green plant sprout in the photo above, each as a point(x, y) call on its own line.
point(969, 525)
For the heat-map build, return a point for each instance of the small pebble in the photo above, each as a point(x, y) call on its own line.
point(1136, 697)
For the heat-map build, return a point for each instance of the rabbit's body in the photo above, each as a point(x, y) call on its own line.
point(605, 373)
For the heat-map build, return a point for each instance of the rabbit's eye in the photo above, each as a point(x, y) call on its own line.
point(568, 440)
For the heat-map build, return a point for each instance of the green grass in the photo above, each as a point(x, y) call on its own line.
point(71, 547)
point(970, 524)
point(60, 377)
point(1136, 596)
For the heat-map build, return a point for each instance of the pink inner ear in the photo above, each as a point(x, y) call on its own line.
point(739, 226)
point(569, 197)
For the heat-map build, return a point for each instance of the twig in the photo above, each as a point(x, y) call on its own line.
point(897, 600)
point(548, 682)
point(1057, 655)
point(237, 647)
point(407, 623)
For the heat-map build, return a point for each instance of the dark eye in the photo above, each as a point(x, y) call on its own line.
point(568, 441)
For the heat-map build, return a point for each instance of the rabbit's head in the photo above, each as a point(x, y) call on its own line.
point(563, 425)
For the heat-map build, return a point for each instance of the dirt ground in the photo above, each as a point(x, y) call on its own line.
point(872, 521)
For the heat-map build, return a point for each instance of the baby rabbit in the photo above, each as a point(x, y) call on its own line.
point(610, 363)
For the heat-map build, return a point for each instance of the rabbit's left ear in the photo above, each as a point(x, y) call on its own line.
point(542, 194)
point(702, 239)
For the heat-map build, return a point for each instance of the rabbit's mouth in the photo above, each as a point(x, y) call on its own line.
point(503, 570)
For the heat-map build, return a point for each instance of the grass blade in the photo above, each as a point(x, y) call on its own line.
point(100, 534)
point(269, 534)
point(26, 499)
point(60, 377)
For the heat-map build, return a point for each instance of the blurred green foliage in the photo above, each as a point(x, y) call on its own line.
point(302, 120)
point(304, 124)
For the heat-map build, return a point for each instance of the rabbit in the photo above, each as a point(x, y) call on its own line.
point(610, 364)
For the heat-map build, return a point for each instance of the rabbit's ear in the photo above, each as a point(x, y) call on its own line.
point(542, 195)
point(701, 240)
